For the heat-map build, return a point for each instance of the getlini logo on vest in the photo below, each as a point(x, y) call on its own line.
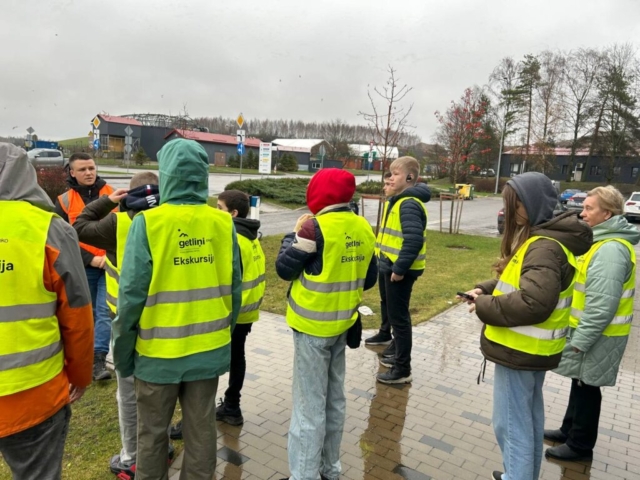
point(256, 254)
point(188, 245)
point(5, 266)
point(351, 244)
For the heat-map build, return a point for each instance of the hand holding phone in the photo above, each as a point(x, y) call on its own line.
point(466, 296)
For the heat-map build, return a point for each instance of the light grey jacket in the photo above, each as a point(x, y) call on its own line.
point(599, 358)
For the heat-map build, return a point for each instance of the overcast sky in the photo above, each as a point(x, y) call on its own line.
point(63, 61)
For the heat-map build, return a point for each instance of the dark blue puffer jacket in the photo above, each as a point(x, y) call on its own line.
point(414, 222)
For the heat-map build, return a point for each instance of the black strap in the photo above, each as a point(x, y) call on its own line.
point(483, 368)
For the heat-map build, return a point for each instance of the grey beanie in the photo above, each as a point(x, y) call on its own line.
point(537, 194)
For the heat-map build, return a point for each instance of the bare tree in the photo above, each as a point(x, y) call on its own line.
point(549, 96)
point(580, 72)
point(388, 120)
point(617, 127)
point(502, 84)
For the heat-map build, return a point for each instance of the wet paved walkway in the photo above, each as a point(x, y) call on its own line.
point(439, 427)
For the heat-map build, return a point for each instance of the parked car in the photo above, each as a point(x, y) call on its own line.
point(46, 157)
point(487, 172)
point(576, 201)
point(559, 210)
point(632, 207)
point(567, 194)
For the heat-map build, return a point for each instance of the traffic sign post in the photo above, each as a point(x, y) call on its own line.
point(240, 136)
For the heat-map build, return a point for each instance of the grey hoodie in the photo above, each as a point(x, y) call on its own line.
point(18, 180)
point(537, 194)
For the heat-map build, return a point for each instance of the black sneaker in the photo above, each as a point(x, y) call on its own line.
point(230, 415)
point(379, 339)
point(176, 431)
point(394, 376)
point(388, 362)
point(555, 436)
point(496, 475)
point(100, 371)
point(390, 351)
point(122, 471)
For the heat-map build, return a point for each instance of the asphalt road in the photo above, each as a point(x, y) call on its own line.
point(479, 216)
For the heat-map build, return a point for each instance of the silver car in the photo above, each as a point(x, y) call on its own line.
point(46, 157)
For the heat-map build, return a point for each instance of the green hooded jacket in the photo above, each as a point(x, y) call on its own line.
point(599, 357)
point(184, 179)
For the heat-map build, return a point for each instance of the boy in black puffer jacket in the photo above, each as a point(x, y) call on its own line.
point(400, 248)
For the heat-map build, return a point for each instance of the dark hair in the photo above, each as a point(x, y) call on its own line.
point(79, 156)
point(236, 200)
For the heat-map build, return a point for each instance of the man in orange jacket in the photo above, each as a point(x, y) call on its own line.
point(85, 186)
point(46, 324)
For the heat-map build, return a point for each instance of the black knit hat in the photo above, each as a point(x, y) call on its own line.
point(141, 198)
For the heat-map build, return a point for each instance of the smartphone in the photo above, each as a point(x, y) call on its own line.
point(465, 296)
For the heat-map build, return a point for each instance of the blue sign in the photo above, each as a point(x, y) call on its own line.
point(241, 149)
point(96, 144)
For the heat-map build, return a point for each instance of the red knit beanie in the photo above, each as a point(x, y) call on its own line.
point(328, 187)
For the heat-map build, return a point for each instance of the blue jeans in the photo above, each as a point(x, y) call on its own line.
point(319, 405)
point(101, 318)
point(36, 453)
point(518, 421)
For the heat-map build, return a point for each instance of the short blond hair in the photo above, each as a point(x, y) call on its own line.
point(408, 165)
point(143, 178)
point(609, 199)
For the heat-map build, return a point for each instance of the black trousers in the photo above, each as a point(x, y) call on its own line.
point(238, 364)
point(394, 307)
point(580, 423)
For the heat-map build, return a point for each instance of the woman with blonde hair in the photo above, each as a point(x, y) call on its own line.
point(600, 323)
point(526, 315)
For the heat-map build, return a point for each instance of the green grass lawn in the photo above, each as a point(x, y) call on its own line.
point(454, 262)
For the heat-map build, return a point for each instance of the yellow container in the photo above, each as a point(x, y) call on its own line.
point(466, 190)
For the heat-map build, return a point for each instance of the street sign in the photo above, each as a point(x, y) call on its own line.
point(264, 160)
point(128, 140)
point(96, 122)
point(240, 120)
point(30, 130)
point(96, 144)
point(128, 131)
point(240, 136)
point(241, 149)
point(127, 148)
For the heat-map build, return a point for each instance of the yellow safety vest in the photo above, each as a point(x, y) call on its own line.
point(390, 238)
point(547, 338)
point(123, 223)
point(620, 326)
point(31, 351)
point(253, 279)
point(326, 305)
point(188, 308)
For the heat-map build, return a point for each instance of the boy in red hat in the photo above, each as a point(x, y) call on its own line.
point(329, 259)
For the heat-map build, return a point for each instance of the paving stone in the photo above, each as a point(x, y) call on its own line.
point(438, 427)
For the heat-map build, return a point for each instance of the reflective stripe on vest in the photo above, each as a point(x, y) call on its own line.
point(620, 324)
point(390, 237)
point(188, 307)
point(123, 224)
point(253, 279)
point(546, 338)
point(73, 204)
point(31, 351)
point(326, 305)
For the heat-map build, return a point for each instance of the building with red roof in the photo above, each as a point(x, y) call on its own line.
point(219, 147)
